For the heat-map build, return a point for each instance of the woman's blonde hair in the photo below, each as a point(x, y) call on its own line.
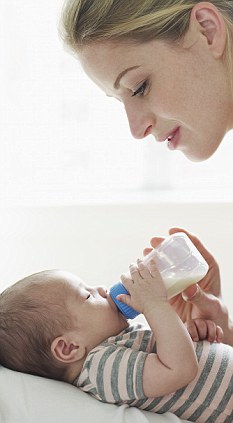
point(87, 21)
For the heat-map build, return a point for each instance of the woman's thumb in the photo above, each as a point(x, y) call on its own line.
point(207, 304)
point(192, 294)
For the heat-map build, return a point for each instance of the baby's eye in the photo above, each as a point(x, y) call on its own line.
point(89, 295)
point(141, 90)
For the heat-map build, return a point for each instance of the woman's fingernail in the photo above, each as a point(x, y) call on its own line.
point(190, 292)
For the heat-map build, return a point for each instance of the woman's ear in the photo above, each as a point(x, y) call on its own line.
point(67, 350)
point(208, 20)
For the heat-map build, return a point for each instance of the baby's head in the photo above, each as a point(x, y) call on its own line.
point(33, 312)
point(49, 321)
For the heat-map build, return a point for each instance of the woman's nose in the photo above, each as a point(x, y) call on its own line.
point(141, 122)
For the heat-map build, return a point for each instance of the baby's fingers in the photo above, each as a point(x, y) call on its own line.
point(126, 280)
point(143, 270)
point(200, 329)
point(124, 299)
point(140, 272)
point(219, 334)
point(192, 330)
point(153, 269)
point(214, 332)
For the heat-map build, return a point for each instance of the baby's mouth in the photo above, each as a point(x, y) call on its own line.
point(112, 304)
point(115, 308)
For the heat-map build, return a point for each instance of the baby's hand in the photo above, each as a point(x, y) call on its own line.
point(145, 286)
point(200, 329)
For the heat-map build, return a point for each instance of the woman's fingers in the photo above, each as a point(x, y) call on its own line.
point(196, 241)
point(155, 241)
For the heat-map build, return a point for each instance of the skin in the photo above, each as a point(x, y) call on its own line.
point(96, 318)
point(90, 307)
point(181, 86)
point(202, 301)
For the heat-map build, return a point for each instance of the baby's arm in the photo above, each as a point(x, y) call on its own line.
point(174, 365)
point(204, 329)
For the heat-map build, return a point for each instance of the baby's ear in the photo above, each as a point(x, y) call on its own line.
point(67, 350)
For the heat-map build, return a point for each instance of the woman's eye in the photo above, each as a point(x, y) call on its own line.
point(141, 90)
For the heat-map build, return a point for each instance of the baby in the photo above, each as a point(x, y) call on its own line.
point(53, 325)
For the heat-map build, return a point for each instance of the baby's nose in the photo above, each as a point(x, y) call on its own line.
point(102, 290)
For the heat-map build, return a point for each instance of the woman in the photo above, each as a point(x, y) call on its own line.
point(170, 64)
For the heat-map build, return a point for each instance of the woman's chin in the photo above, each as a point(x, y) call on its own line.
point(200, 155)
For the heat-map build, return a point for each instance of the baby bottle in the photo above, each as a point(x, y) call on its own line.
point(179, 263)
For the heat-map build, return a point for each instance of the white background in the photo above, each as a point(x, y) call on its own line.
point(64, 142)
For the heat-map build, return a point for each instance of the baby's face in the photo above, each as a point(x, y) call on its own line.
point(95, 315)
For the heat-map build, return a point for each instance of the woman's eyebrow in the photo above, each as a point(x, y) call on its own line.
point(117, 82)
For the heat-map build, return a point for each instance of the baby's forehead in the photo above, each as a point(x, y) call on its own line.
point(64, 280)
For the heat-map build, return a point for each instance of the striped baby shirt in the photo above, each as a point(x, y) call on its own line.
point(112, 373)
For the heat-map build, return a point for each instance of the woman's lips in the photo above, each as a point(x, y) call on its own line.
point(173, 140)
point(169, 135)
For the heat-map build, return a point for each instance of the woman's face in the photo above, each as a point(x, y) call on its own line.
point(176, 93)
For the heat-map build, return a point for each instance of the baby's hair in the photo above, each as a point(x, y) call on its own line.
point(31, 316)
point(88, 21)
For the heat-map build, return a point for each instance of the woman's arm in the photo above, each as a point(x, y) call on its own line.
point(202, 301)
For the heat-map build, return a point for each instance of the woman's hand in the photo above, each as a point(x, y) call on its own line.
point(203, 300)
